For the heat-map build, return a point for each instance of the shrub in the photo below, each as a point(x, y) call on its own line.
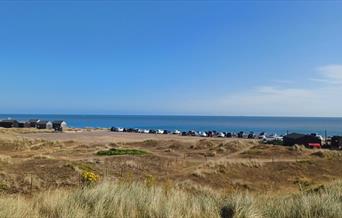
point(89, 178)
point(121, 151)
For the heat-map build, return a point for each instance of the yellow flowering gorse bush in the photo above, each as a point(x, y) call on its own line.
point(89, 178)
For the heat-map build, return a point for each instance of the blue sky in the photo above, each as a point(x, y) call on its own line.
point(182, 57)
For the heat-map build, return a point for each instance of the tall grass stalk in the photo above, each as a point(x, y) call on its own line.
point(123, 199)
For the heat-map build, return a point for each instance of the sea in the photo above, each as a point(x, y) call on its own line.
point(279, 125)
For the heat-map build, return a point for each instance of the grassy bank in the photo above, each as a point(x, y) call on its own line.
point(125, 199)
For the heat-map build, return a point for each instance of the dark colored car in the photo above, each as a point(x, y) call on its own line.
point(210, 134)
point(251, 135)
point(152, 131)
point(229, 135)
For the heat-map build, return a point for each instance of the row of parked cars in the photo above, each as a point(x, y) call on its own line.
point(312, 140)
point(241, 134)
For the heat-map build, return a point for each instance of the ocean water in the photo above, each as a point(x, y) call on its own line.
point(279, 125)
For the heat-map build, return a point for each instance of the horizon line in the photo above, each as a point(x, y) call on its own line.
point(168, 115)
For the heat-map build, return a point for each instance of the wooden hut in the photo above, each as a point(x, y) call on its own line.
point(59, 125)
point(43, 124)
point(33, 123)
point(21, 124)
point(9, 124)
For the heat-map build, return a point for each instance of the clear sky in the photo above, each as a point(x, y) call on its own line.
point(182, 57)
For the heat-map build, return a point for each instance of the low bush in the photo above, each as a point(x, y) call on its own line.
point(121, 151)
point(89, 178)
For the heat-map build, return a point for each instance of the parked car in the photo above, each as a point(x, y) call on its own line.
point(159, 131)
point(272, 137)
point(152, 131)
point(116, 129)
point(202, 134)
point(143, 131)
point(210, 134)
point(336, 142)
point(193, 133)
point(166, 132)
point(229, 135)
point(220, 134)
point(262, 135)
point(240, 134)
point(251, 135)
point(177, 132)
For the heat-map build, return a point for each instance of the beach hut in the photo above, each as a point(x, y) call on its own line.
point(44, 124)
point(33, 123)
point(59, 125)
point(8, 123)
point(301, 139)
point(21, 124)
point(27, 124)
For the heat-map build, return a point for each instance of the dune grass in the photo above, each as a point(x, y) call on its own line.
point(130, 199)
point(121, 151)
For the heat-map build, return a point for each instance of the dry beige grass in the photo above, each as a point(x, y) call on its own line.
point(127, 199)
point(225, 165)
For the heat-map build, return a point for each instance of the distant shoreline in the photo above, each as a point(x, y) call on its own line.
point(168, 115)
point(277, 125)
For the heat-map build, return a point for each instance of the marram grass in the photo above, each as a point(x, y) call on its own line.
point(130, 199)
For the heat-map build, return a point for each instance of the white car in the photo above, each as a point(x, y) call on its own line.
point(202, 134)
point(220, 135)
point(177, 132)
point(272, 137)
point(159, 131)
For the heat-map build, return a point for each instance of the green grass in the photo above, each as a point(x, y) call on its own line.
point(121, 151)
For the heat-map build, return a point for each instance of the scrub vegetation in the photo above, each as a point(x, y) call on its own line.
point(62, 175)
point(121, 151)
